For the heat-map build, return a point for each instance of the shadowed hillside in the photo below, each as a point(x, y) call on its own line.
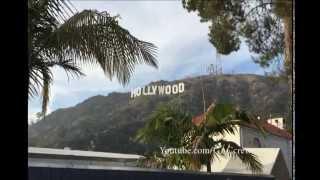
point(107, 123)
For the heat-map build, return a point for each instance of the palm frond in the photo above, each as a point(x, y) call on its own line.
point(41, 77)
point(227, 127)
point(90, 37)
point(166, 126)
point(224, 118)
point(234, 150)
point(37, 75)
point(60, 9)
point(68, 66)
point(250, 119)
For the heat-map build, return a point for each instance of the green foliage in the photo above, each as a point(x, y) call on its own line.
point(170, 128)
point(224, 17)
point(59, 36)
point(165, 126)
point(258, 23)
point(219, 113)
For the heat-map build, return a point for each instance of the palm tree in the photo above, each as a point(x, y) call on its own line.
point(60, 36)
point(166, 127)
point(218, 120)
point(170, 127)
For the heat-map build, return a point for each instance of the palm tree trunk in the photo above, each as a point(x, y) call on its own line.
point(209, 166)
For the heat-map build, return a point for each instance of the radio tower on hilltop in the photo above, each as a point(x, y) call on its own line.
point(215, 68)
point(218, 65)
point(211, 69)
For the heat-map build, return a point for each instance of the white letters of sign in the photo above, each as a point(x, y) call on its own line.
point(158, 90)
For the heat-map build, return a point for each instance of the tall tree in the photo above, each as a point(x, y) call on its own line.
point(59, 35)
point(264, 25)
point(170, 127)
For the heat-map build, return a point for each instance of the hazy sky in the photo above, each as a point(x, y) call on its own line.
point(183, 50)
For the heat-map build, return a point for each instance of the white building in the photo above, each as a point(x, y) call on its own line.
point(278, 122)
point(275, 143)
point(271, 158)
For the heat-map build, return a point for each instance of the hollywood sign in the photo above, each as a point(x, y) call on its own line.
point(158, 90)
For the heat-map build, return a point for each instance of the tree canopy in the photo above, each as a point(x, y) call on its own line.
point(264, 25)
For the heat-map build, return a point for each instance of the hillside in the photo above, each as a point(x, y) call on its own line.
point(107, 123)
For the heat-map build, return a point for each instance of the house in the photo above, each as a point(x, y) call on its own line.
point(275, 144)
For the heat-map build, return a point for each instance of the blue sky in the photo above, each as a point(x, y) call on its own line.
point(183, 50)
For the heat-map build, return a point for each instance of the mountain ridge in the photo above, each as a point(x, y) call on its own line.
point(107, 123)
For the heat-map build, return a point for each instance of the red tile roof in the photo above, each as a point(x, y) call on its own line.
point(197, 120)
point(272, 130)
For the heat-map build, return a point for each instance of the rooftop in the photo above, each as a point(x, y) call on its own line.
point(77, 154)
point(197, 120)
